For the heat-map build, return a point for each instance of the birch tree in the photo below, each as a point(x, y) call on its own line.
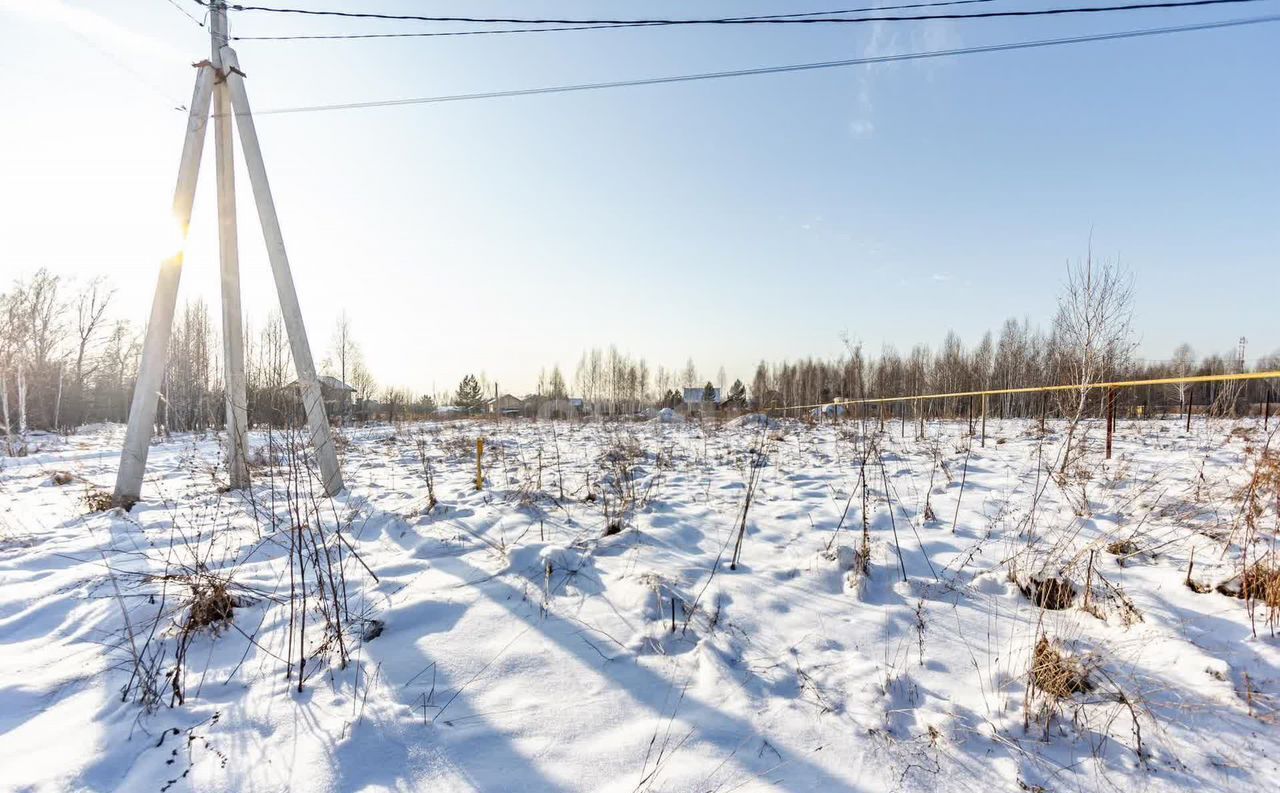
point(1092, 333)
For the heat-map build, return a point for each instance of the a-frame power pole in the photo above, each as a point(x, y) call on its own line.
point(220, 82)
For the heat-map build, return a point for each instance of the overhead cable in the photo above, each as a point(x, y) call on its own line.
point(762, 70)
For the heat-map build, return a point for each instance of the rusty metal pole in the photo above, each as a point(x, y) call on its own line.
point(1191, 401)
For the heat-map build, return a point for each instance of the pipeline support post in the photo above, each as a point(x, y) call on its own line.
point(1111, 418)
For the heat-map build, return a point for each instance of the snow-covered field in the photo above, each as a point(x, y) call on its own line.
point(576, 624)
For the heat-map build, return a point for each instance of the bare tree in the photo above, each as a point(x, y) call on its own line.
point(556, 388)
point(91, 310)
point(1092, 334)
point(1182, 365)
point(32, 325)
point(343, 349)
point(396, 401)
point(689, 377)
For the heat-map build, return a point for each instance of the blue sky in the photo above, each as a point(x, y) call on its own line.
point(723, 220)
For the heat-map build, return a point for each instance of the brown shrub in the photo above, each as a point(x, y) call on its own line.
point(211, 605)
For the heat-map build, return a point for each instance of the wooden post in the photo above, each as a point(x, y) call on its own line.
point(290, 308)
point(1111, 418)
point(984, 421)
point(1191, 401)
point(1266, 410)
point(229, 256)
point(142, 410)
point(479, 463)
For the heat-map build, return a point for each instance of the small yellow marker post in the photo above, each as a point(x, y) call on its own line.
point(479, 464)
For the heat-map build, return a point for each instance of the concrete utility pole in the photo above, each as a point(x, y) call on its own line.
point(142, 411)
point(229, 256)
point(221, 76)
point(290, 308)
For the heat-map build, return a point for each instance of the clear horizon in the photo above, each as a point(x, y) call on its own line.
point(725, 221)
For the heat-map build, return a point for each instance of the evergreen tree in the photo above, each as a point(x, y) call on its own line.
point(709, 394)
point(469, 397)
point(737, 395)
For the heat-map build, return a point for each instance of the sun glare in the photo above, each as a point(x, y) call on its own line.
point(165, 239)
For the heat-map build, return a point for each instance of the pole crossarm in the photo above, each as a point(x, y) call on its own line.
point(1206, 378)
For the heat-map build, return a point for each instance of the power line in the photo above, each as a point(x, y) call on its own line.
point(185, 12)
point(766, 20)
point(141, 77)
point(798, 67)
point(506, 31)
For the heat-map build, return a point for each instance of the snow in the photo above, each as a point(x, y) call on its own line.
point(754, 420)
point(521, 637)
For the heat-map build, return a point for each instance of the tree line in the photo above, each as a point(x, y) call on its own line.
point(66, 361)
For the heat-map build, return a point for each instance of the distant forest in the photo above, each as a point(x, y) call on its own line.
point(65, 360)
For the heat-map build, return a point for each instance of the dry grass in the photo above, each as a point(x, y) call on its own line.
point(1260, 581)
point(1056, 673)
point(98, 500)
point(1122, 547)
point(211, 605)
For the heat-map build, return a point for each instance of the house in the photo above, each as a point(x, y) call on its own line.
point(560, 408)
point(338, 396)
point(693, 400)
point(507, 405)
